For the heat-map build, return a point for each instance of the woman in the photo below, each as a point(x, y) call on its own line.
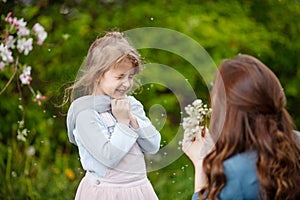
point(256, 153)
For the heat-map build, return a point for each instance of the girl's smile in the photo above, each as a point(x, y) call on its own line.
point(117, 81)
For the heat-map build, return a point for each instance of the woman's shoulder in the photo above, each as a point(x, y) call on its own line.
point(240, 163)
point(195, 196)
point(242, 157)
point(241, 177)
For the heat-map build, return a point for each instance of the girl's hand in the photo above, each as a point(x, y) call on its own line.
point(121, 110)
point(133, 121)
point(197, 150)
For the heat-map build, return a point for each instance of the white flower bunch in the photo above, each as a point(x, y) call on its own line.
point(18, 36)
point(198, 113)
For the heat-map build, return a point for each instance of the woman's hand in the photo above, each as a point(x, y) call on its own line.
point(197, 149)
point(121, 110)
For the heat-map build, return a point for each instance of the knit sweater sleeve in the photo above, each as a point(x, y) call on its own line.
point(91, 134)
point(149, 138)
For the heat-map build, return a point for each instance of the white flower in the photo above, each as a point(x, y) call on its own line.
point(27, 70)
point(20, 23)
point(5, 53)
point(194, 122)
point(24, 45)
point(10, 42)
point(189, 109)
point(23, 31)
point(21, 27)
point(40, 33)
point(197, 102)
point(21, 44)
point(25, 76)
point(41, 37)
point(38, 28)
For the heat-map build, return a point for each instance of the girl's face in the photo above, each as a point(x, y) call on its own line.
point(117, 81)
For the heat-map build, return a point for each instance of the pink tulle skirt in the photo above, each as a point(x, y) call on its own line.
point(93, 188)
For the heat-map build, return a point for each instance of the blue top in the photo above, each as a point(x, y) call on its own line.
point(241, 178)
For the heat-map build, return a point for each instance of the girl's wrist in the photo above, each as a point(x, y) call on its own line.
point(133, 122)
point(126, 122)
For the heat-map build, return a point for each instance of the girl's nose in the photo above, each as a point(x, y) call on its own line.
point(126, 83)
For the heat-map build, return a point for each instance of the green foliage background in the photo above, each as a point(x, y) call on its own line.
point(267, 29)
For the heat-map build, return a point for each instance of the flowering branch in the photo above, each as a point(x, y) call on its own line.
point(11, 78)
point(16, 40)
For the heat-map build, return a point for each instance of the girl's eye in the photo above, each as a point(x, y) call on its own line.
point(131, 76)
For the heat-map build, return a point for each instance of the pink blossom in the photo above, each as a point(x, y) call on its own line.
point(10, 20)
point(25, 79)
point(20, 24)
point(37, 27)
point(40, 33)
point(39, 98)
point(25, 76)
point(41, 37)
point(8, 16)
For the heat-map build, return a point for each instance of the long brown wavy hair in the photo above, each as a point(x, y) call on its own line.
point(252, 102)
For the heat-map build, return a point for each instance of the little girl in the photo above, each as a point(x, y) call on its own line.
point(110, 128)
